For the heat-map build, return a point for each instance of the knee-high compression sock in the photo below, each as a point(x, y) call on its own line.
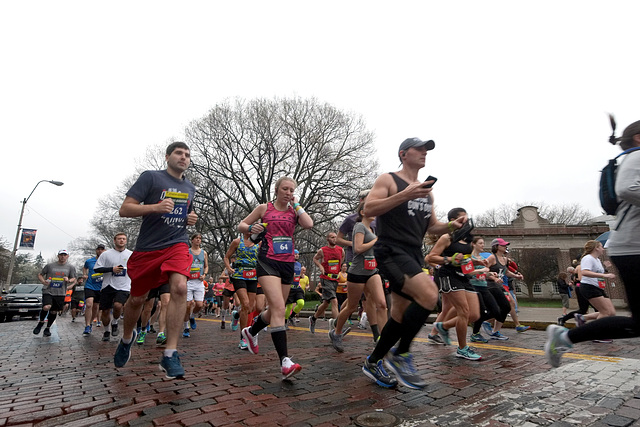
point(43, 315)
point(413, 319)
point(375, 332)
point(287, 311)
point(52, 318)
point(388, 338)
point(279, 338)
point(257, 326)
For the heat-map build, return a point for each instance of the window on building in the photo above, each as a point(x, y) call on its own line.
point(537, 288)
point(554, 288)
point(518, 288)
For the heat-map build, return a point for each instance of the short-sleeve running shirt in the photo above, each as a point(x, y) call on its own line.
point(160, 231)
point(364, 263)
point(593, 264)
point(54, 273)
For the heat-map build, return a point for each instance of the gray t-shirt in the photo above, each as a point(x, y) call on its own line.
point(363, 264)
point(160, 231)
point(54, 274)
point(625, 240)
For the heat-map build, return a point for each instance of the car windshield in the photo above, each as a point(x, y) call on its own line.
point(26, 289)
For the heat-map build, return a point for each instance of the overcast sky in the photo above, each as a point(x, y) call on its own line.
point(515, 94)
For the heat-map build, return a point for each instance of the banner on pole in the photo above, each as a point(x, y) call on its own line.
point(28, 238)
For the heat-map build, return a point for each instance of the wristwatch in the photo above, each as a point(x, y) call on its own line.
point(447, 260)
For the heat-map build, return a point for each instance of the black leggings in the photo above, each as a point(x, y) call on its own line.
point(493, 305)
point(617, 326)
point(583, 306)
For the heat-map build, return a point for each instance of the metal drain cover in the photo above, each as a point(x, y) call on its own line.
point(376, 419)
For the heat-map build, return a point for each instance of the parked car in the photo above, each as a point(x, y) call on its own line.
point(24, 299)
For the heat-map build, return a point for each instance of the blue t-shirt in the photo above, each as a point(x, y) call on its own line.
point(160, 231)
point(92, 283)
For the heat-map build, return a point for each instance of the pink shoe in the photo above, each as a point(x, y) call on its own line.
point(252, 341)
point(289, 368)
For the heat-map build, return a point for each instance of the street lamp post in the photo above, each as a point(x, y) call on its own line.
point(15, 243)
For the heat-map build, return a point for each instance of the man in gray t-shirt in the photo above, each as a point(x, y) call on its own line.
point(56, 278)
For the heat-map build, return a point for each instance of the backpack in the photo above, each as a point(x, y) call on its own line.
point(608, 198)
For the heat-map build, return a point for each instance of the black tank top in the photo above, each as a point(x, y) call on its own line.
point(453, 248)
point(498, 268)
point(407, 223)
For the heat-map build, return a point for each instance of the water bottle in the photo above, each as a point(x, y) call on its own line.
point(257, 237)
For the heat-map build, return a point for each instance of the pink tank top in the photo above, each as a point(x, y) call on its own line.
point(279, 237)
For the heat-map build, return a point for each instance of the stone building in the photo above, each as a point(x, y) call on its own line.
point(529, 231)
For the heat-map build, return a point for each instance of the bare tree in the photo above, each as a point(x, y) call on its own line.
point(536, 265)
point(240, 149)
point(570, 214)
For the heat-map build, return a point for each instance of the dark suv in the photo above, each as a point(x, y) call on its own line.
point(22, 300)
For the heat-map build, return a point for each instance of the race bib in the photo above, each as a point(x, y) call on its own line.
point(121, 274)
point(482, 277)
point(249, 274)
point(180, 205)
point(195, 273)
point(56, 282)
point(334, 265)
point(370, 263)
point(282, 245)
point(97, 277)
point(602, 284)
point(467, 266)
point(79, 288)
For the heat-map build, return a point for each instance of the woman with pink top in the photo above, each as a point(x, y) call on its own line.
point(275, 223)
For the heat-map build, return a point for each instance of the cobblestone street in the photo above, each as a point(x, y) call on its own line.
point(68, 379)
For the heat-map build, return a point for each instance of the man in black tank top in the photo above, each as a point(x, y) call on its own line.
point(403, 206)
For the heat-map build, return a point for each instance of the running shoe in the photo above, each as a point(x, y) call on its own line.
point(151, 330)
point(434, 339)
point(234, 321)
point(498, 336)
point(312, 325)
point(297, 320)
point(171, 366)
point(467, 353)
point(186, 333)
point(47, 332)
point(73, 320)
point(114, 329)
point(378, 374)
point(346, 331)
point(444, 333)
point(141, 338)
point(161, 339)
point(561, 321)
point(290, 321)
point(123, 352)
point(38, 328)
point(487, 328)
point(522, 328)
point(478, 338)
point(252, 341)
point(402, 366)
point(336, 340)
point(87, 330)
point(222, 325)
point(192, 323)
point(289, 368)
point(243, 345)
point(106, 336)
point(579, 319)
point(332, 324)
point(556, 345)
point(98, 324)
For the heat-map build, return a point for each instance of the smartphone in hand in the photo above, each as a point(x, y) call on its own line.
point(429, 178)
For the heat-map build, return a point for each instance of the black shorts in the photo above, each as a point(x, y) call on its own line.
point(590, 291)
point(260, 291)
point(250, 285)
point(75, 303)
point(454, 283)
point(396, 261)
point(294, 295)
point(340, 297)
point(358, 278)
point(55, 301)
point(227, 293)
point(269, 267)
point(109, 295)
point(156, 292)
point(90, 293)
